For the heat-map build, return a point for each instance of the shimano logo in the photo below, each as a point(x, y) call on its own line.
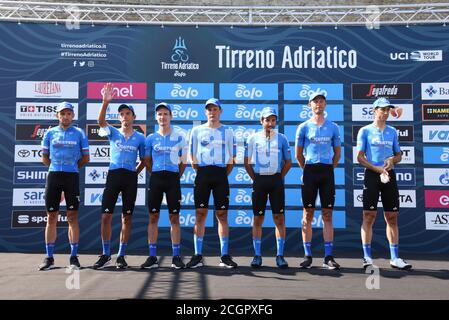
point(187, 114)
point(242, 92)
point(179, 92)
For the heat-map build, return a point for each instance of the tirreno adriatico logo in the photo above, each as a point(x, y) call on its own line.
point(180, 62)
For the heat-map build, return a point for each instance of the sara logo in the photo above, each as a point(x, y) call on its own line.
point(252, 93)
point(307, 91)
point(179, 92)
point(251, 114)
point(242, 176)
point(180, 51)
point(243, 218)
point(242, 197)
point(179, 113)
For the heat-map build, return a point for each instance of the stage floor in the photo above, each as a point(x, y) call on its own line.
point(20, 279)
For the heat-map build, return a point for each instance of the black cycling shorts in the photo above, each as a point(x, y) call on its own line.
point(389, 192)
point(120, 181)
point(318, 178)
point(57, 182)
point(268, 187)
point(164, 182)
point(211, 178)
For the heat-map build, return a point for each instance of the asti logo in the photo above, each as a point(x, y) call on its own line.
point(188, 220)
point(252, 114)
point(444, 178)
point(242, 197)
point(188, 177)
point(431, 91)
point(187, 198)
point(307, 91)
point(306, 113)
point(242, 92)
point(242, 176)
point(187, 114)
point(445, 155)
point(178, 91)
point(243, 218)
point(180, 51)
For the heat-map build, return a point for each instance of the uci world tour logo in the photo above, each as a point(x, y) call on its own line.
point(179, 62)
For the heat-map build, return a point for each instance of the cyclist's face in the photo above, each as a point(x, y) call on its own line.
point(126, 117)
point(163, 116)
point(65, 117)
point(269, 122)
point(318, 105)
point(381, 114)
point(213, 113)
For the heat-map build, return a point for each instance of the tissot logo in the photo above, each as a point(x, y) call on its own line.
point(364, 91)
point(39, 111)
point(435, 112)
point(35, 219)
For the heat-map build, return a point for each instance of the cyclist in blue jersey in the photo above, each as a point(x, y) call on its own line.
point(318, 150)
point(269, 152)
point(212, 151)
point(65, 150)
point(165, 157)
point(378, 151)
point(125, 145)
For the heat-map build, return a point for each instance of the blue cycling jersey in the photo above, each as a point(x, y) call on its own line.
point(165, 151)
point(212, 146)
point(318, 141)
point(123, 152)
point(377, 144)
point(65, 148)
point(267, 154)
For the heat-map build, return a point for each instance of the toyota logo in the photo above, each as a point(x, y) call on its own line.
point(24, 153)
